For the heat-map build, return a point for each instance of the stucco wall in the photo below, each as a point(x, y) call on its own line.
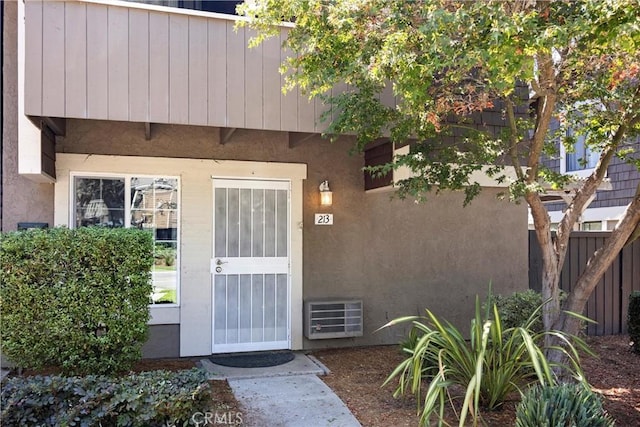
point(399, 257)
point(22, 200)
point(163, 341)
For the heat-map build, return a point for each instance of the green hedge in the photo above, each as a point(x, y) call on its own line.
point(77, 299)
point(633, 320)
point(516, 309)
point(157, 398)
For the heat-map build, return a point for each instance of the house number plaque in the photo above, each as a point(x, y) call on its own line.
point(324, 219)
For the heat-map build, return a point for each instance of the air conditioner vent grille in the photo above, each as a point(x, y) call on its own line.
point(325, 319)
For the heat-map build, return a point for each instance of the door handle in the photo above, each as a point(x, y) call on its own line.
point(220, 262)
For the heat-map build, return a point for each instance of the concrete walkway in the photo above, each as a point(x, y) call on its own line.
point(285, 395)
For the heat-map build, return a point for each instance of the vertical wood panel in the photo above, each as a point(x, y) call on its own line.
point(321, 108)
point(33, 58)
point(217, 72)
point(271, 88)
point(600, 295)
point(97, 81)
point(178, 69)
point(535, 268)
point(288, 101)
point(306, 113)
point(254, 102)
point(386, 97)
point(236, 48)
point(590, 247)
point(627, 281)
point(609, 302)
point(158, 67)
point(198, 89)
point(617, 293)
point(341, 88)
point(118, 63)
point(636, 265)
point(565, 273)
point(75, 52)
point(138, 65)
point(53, 59)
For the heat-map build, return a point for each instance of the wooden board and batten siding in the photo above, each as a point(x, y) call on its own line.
point(609, 302)
point(140, 63)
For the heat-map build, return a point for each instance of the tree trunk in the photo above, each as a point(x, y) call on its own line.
point(550, 268)
point(588, 280)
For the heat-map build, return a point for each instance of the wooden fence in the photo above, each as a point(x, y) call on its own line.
point(609, 302)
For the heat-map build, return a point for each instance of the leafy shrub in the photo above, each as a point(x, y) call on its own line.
point(516, 309)
point(633, 320)
point(157, 398)
point(169, 260)
point(77, 299)
point(409, 342)
point(164, 255)
point(495, 362)
point(560, 406)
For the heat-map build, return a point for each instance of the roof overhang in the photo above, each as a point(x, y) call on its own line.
point(567, 193)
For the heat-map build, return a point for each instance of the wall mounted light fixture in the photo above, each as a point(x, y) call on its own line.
point(326, 196)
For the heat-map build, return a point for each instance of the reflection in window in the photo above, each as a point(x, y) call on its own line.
point(582, 157)
point(591, 226)
point(611, 225)
point(152, 206)
point(99, 201)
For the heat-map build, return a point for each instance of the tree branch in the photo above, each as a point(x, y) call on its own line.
point(602, 259)
point(543, 118)
point(578, 204)
point(513, 151)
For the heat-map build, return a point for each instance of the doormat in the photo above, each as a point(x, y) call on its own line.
point(254, 360)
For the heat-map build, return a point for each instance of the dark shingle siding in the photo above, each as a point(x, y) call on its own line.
point(624, 179)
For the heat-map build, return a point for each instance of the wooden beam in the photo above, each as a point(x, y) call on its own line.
point(48, 150)
point(147, 131)
point(226, 134)
point(297, 138)
point(57, 125)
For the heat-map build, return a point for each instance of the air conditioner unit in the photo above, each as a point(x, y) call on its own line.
point(334, 318)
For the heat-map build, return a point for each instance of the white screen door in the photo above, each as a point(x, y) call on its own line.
point(250, 266)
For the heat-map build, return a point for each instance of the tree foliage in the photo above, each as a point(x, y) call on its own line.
point(556, 71)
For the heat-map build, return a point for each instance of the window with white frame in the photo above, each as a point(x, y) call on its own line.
point(591, 226)
point(583, 159)
point(146, 202)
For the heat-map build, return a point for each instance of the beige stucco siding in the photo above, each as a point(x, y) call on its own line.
point(133, 62)
point(398, 256)
point(196, 219)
